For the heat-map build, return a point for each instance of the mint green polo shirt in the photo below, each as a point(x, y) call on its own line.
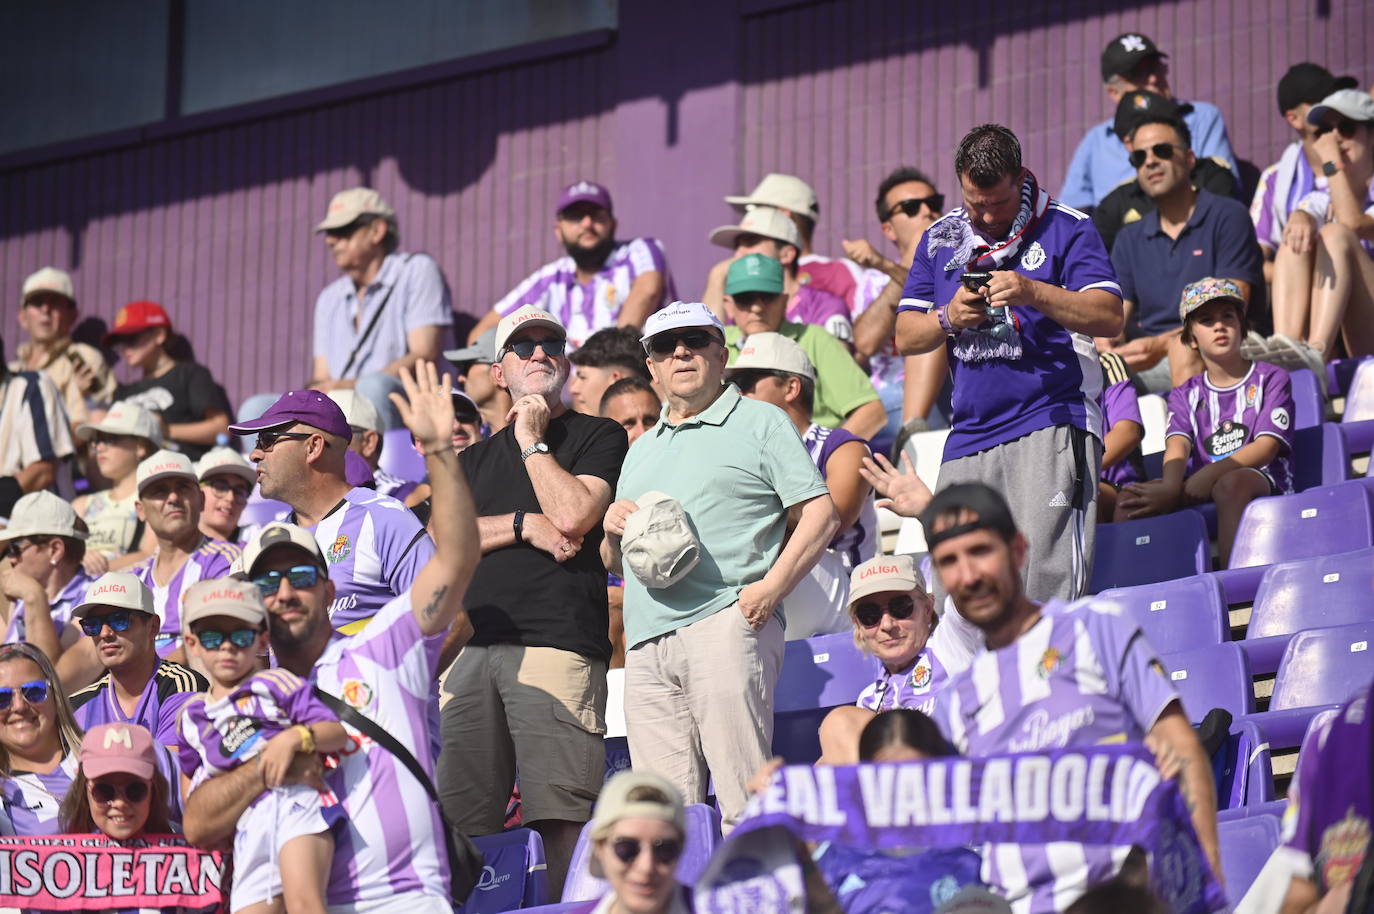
point(841, 385)
point(736, 467)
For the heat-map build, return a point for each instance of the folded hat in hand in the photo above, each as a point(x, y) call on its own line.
point(659, 546)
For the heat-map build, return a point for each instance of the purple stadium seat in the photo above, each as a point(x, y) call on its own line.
point(818, 674)
point(617, 755)
point(1321, 456)
point(1319, 521)
point(1340, 375)
point(558, 907)
point(514, 873)
point(1245, 776)
point(261, 510)
point(1359, 399)
point(1177, 615)
point(1211, 677)
point(1309, 406)
point(1309, 593)
point(1146, 551)
point(1246, 844)
point(399, 457)
point(1320, 669)
point(703, 837)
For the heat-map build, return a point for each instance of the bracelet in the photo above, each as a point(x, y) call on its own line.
point(435, 451)
point(307, 738)
point(945, 325)
point(518, 522)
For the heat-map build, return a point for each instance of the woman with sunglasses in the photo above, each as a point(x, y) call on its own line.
point(227, 481)
point(638, 830)
point(126, 435)
point(39, 739)
point(42, 549)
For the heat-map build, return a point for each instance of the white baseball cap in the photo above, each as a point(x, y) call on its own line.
point(42, 514)
point(659, 546)
point(770, 351)
point(163, 464)
point(519, 319)
point(783, 191)
point(49, 279)
point(347, 206)
point(1352, 103)
point(223, 597)
point(117, 590)
point(681, 314)
point(279, 533)
point(124, 418)
point(358, 410)
point(761, 220)
point(226, 460)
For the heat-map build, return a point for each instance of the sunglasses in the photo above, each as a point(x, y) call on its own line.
point(268, 440)
point(665, 851)
point(525, 348)
point(746, 381)
point(347, 231)
point(666, 343)
point(300, 578)
point(118, 621)
point(1162, 151)
point(35, 693)
point(16, 549)
point(1344, 127)
point(211, 639)
point(870, 614)
point(223, 487)
point(105, 793)
point(912, 207)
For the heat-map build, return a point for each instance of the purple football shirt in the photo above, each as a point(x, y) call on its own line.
point(212, 559)
point(1120, 403)
point(914, 686)
point(1221, 420)
point(812, 305)
point(857, 542)
point(68, 599)
point(32, 800)
point(171, 687)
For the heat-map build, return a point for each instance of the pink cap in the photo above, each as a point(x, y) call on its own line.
point(118, 749)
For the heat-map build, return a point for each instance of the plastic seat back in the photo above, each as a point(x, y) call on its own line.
point(1211, 677)
point(1153, 549)
point(1176, 615)
point(1323, 666)
point(1320, 521)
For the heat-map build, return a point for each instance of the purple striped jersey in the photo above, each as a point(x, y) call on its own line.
point(171, 687)
point(886, 367)
point(1219, 421)
point(914, 687)
point(211, 560)
point(857, 542)
point(1081, 675)
point(32, 800)
point(67, 600)
point(392, 842)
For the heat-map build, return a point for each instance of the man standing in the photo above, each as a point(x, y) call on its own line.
point(705, 650)
point(389, 858)
point(529, 689)
point(1053, 676)
point(601, 282)
point(388, 309)
point(1131, 62)
point(1025, 375)
point(373, 544)
point(47, 312)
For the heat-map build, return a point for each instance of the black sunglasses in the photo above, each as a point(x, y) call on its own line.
point(666, 343)
point(104, 793)
point(225, 487)
point(1162, 151)
point(912, 207)
point(1345, 128)
point(268, 440)
point(525, 348)
point(35, 693)
point(746, 381)
point(299, 576)
point(870, 614)
point(346, 231)
point(118, 621)
point(665, 850)
point(212, 639)
point(16, 549)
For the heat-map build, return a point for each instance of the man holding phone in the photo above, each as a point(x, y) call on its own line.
point(1018, 285)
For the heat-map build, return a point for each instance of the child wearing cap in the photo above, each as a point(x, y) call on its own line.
point(638, 831)
point(283, 844)
point(118, 790)
point(1229, 438)
point(124, 437)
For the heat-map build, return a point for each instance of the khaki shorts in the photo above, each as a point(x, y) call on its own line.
point(538, 711)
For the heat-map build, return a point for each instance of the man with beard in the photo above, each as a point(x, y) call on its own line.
point(601, 283)
point(529, 689)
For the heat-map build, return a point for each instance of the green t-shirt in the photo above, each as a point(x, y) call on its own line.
point(736, 468)
point(841, 385)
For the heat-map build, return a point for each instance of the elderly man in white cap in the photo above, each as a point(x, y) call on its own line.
point(705, 651)
point(47, 312)
point(41, 577)
point(529, 689)
point(474, 363)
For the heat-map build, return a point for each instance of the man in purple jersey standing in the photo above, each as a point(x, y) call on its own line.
point(1017, 285)
point(390, 857)
point(1054, 676)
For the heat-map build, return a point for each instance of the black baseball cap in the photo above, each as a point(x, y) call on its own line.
point(1141, 105)
point(1125, 52)
point(984, 502)
point(1309, 83)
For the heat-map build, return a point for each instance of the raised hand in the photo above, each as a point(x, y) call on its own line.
point(427, 407)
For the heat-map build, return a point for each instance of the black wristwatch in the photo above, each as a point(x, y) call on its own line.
point(1329, 168)
point(519, 524)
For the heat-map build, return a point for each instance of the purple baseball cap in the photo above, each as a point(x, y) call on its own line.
point(308, 406)
point(583, 192)
point(357, 473)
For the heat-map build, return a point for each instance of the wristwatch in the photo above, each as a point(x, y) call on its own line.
point(1330, 168)
point(538, 447)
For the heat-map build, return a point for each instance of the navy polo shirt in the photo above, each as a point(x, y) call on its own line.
point(1219, 240)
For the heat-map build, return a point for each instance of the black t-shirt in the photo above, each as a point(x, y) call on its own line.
point(183, 394)
point(1127, 202)
point(519, 594)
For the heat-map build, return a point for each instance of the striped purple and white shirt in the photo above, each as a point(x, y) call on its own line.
point(212, 559)
point(914, 686)
point(857, 543)
point(67, 600)
point(32, 800)
point(585, 309)
point(392, 843)
point(885, 367)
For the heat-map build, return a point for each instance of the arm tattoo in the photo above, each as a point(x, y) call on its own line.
point(432, 610)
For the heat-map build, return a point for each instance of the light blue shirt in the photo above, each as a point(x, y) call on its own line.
point(1100, 163)
point(419, 298)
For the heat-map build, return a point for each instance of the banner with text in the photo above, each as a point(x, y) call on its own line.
point(91, 872)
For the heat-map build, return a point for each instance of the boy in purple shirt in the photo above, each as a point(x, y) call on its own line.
point(283, 844)
point(1121, 459)
point(1230, 437)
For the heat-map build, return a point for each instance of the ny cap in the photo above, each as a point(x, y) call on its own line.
point(583, 192)
point(49, 279)
point(42, 514)
point(659, 546)
point(117, 590)
point(678, 315)
point(769, 351)
point(521, 318)
point(279, 533)
point(358, 411)
point(884, 574)
point(1125, 52)
point(347, 206)
point(124, 418)
point(754, 273)
point(1143, 105)
point(482, 351)
point(223, 597)
point(225, 461)
point(765, 221)
point(1351, 103)
point(162, 465)
point(309, 407)
point(1308, 83)
point(784, 192)
point(136, 317)
point(1197, 294)
point(118, 749)
point(985, 503)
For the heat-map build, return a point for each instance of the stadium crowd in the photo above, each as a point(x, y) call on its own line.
point(341, 691)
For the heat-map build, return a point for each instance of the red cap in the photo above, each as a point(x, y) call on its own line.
point(136, 316)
